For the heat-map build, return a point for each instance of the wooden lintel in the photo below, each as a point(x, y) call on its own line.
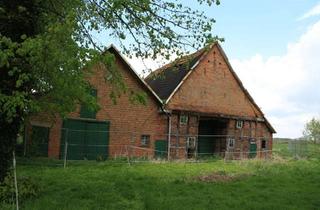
point(217, 115)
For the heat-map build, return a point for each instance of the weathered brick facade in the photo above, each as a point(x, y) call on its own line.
point(128, 121)
point(213, 91)
point(212, 88)
point(210, 94)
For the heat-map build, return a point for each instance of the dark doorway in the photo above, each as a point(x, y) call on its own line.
point(161, 149)
point(212, 137)
point(39, 141)
point(253, 150)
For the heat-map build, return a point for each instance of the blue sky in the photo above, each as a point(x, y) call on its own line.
point(259, 26)
point(274, 47)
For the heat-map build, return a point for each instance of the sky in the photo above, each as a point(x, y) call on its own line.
point(274, 47)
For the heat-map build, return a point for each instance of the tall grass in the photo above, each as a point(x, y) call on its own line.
point(268, 185)
point(283, 183)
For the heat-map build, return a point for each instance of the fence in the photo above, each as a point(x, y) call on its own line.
point(133, 146)
point(76, 144)
point(227, 147)
point(297, 148)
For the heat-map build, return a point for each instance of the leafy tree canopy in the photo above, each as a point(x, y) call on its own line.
point(45, 45)
point(312, 130)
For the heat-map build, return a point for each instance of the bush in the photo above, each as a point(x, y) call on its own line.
point(27, 189)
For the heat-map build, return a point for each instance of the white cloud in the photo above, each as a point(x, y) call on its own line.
point(288, 86)
point(312, 12)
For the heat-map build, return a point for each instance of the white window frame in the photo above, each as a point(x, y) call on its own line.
point(231, 143)
point(191, 142)
point(145, 140)
point(252, 140)
point(239, 124)
point(183, 122)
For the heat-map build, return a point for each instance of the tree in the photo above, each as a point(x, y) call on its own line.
point(312, 130)
point(47, 49)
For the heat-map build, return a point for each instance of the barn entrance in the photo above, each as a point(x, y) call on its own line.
point(86, 139)
point(38, 145)
point(161, 149)
point(212, 136)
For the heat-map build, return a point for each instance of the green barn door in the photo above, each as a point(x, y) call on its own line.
point(205, 145)
point(86, 139)
point(74, 133)
point(97, 140)
point(253, 150)
point(206, 142)
point(161, 149)
point(39, 141)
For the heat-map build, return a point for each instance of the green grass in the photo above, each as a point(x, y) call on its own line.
point(277, 184)
point(309, 150)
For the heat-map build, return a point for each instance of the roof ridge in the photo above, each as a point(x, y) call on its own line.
point(177, 61)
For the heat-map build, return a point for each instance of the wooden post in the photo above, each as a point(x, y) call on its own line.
point(169, 137)
point(25, 141)
point(15, 180)
point(128, 155)
point(65, 150)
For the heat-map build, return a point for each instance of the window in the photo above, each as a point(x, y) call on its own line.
point(85, 112)
point(191, 142)
point(145, 140)
point(252, 140)
point(231, 143)
point(263, 144)
point(183, 119)
point(239, 124)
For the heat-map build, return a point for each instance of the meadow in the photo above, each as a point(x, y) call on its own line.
point(280, 183)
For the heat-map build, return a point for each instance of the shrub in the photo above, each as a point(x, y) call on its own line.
point(27, 188)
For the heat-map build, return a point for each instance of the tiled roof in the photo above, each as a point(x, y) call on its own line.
point(165, 79)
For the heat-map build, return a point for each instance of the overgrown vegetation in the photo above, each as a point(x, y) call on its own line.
point(28, 188)
point(282, 183)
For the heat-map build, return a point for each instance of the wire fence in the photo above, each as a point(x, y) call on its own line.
point(154, 146)
point(297, 148)
point(133, 147)
point(131, 152)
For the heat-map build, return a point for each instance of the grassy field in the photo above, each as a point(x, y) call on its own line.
point(277, 184)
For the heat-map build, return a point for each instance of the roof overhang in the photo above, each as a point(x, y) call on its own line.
point(144, 84)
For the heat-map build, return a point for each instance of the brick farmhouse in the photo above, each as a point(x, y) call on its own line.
point(196, 106)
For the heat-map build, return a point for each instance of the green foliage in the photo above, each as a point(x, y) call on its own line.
point(27, 189)
point(138, 97)
point(44, 62)
point(312, 130)
point(47, 51)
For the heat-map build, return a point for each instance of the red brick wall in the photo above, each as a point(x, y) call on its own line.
point(211, 88)
point(128, 121)
point(52, 122)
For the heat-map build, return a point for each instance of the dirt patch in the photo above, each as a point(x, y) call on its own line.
point(220, 177)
